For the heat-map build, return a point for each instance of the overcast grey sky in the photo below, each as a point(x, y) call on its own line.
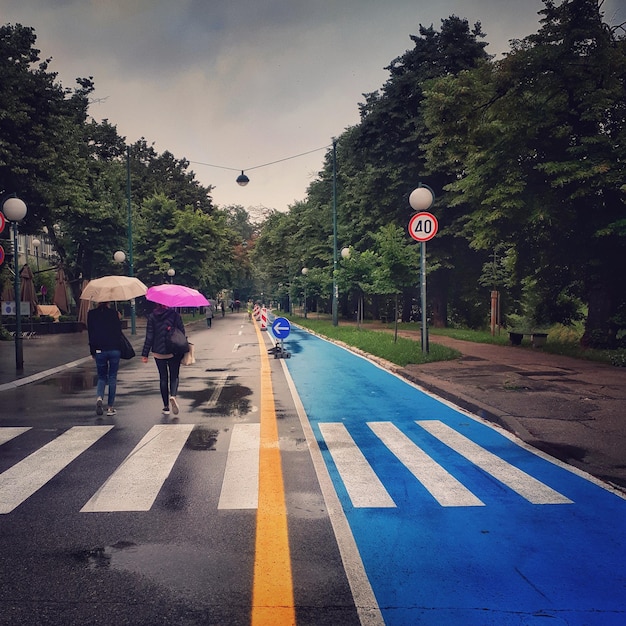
point(241, 83)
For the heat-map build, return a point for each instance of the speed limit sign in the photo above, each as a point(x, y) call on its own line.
point(423, 226)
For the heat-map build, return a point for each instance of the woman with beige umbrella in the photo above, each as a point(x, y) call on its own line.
point(105, 331)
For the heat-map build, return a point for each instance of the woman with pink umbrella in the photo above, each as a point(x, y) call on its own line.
point(160, 322)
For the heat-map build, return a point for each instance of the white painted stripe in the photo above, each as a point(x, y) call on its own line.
point(136, 483)
point(444, 487)
point(28, 476)
point(10, 432)
point(235, 347)
point(362, 592)
point(525, 485)
point(359, 479)
point(240, 488)
point(219, 385)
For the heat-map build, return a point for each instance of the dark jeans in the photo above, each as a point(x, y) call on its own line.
point(169, 370)
point(107, 364)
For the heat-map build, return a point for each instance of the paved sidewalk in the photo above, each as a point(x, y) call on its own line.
point(574, 410)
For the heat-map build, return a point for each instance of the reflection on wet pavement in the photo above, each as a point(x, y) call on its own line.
point(202, 438)
point(233, 399)
point(166, 564)
point(72, 381)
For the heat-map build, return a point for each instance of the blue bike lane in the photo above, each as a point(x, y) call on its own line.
point(456, 522)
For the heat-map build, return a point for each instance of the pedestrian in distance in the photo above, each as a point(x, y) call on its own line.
point(105, 331)
point(160, 322)
point(222, 308)
point(210, 311)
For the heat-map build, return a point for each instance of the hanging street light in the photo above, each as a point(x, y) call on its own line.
point(242, 179)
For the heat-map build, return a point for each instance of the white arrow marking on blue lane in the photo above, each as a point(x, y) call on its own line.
point(522, 483)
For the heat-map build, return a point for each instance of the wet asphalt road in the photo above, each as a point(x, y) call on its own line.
point(183, 560)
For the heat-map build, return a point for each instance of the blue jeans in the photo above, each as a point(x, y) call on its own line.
point(107, 364)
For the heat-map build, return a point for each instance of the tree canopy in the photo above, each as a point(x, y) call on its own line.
point(526, 155)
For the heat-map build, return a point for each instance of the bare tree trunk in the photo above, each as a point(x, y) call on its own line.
point(599, 331)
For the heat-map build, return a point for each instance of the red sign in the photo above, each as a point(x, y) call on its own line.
point(1, 255)
point(2, 221)
point(423, 226)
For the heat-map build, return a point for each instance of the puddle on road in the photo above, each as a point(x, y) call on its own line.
point(181, 568)
point(72, 381)
point(202, 438)
point(233, 399)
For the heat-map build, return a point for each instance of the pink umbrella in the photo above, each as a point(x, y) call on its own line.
point(176, 295)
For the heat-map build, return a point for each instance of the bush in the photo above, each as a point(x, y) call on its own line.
point(618, 358)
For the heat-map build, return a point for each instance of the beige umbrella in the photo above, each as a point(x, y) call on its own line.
point(113, 289)
point(60, 292)
point(27, 288)
point(84, 307)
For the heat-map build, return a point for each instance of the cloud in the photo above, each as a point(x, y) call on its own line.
point(239, 83)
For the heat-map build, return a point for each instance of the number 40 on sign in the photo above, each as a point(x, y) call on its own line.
point(423, 226)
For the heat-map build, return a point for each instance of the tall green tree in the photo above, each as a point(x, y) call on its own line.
point(398, 265)
point(537, 145)
point(381, 160)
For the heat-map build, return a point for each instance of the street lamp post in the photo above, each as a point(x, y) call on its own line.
point(15, 211)
point(305, 271)
point(37, 243)
point(131, 267)
point(421, 199)
point(335, 303)
point(171, 273)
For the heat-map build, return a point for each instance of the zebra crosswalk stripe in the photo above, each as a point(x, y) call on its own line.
point(519, 481)
point(444, 487)
point(240, 488)
point(136, 483)
point(10, 432)
point(361, 482)
point(28, 476)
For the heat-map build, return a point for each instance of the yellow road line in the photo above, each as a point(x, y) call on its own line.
point(272, 594)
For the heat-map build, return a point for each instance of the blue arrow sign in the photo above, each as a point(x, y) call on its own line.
point(281, 327)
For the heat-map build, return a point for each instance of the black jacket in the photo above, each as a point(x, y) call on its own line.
point(104, 328)
point(159, 322)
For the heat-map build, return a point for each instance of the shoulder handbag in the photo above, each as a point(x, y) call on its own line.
point(175, 341)
point(189, 358)
point(127, 350)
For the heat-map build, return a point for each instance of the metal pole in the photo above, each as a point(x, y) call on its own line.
point(131, 268)
point(423, 298)
point(335, 303)
point(19, 346)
